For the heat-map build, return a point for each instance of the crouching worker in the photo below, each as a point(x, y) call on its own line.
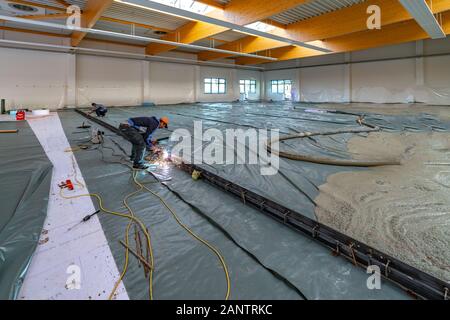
point(99, 109)
point(139, 131)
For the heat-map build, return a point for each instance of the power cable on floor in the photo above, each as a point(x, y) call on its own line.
point(133, 218)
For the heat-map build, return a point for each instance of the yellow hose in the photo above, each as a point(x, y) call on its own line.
point(133, 218)
point(127, 233)
point(125, 202)
point(195, 236)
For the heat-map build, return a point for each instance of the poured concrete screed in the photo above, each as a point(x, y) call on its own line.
point(402, 210)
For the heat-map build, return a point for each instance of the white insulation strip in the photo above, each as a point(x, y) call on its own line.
point(75, 264)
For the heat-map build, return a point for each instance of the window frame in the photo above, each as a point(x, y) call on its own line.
point(279, 84)
point(214, 86)
point(247, 83)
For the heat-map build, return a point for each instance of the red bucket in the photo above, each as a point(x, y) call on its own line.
point(20, 115)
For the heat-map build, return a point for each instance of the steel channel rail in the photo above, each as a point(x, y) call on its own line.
point(414, 281)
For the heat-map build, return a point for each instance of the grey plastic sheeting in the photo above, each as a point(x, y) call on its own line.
point(184, 268)
point(252, 243)
point(296, 184)
point(25, 177)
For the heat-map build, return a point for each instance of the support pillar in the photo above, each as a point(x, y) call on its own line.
point(347, 96)
point(71, 82)
point(145, 82)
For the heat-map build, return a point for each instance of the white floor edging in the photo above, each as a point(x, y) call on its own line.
point(75, 264)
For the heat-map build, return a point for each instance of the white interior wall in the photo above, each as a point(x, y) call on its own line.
point(384, 81)
point(291, 74)
point(32, 78)
point(401, 79)
point(324, 84)
point(111, 81)
point(436, 86)
point(171, 83)
point(38, 79)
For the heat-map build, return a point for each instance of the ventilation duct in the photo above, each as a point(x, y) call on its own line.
point(423, 15)
point(130, 37)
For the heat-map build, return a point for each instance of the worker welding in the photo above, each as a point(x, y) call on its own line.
point(139, 132)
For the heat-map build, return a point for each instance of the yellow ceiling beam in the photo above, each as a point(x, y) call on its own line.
point(341, 22)
point(189, 33)
point(237, 11)
point(352, 19)
point(137, 24)
point(63, 3)
point(274, 23)
point(247, 44)
point(91, 14)
point(389, 35)
point(147, 26)
point(284, 53)
point(244, 12)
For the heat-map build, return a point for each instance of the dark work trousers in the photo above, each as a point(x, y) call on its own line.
point(101, 112)
point(138, 150)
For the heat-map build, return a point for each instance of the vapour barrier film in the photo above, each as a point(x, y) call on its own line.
point(25, 177)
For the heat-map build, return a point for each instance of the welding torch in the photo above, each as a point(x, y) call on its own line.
point(87, 218)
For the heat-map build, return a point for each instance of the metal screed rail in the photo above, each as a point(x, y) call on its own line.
point(413, 280)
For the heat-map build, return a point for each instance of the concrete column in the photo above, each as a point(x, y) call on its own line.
point(146, 98)
point(300, 90)
point(347, 97)
point(71, 81)
point(197, 83)
point(297, 83)
point(263, 87)
point(420, 65)
point(235, 84)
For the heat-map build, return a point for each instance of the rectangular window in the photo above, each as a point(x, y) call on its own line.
point(278, 86)
point(274, 84)
point(215, 86)
point(247, 86)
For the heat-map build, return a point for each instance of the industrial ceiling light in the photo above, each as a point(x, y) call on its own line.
point(22, 7)
point(423, 15)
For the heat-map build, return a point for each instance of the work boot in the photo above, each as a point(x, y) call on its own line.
point(140, 167)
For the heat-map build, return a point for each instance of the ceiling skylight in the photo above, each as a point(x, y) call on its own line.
point(188, 5)
point(261, 26)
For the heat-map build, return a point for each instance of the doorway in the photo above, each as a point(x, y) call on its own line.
point(287, 90)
